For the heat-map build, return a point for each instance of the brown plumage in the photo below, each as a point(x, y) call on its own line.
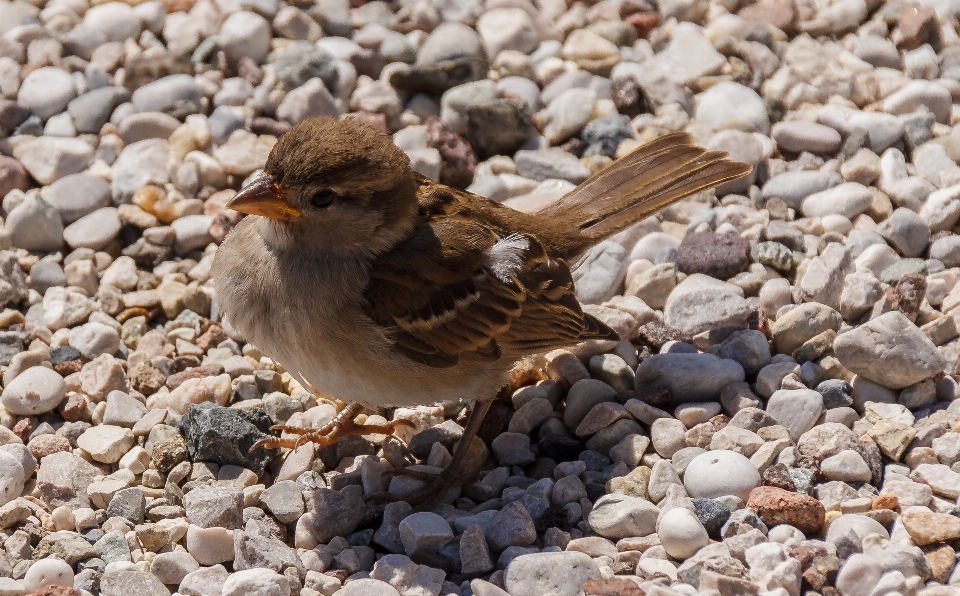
point(382, 287)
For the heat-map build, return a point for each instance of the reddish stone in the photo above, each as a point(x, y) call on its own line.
point(777, 476)
point(918, 26)
point(24, 428)
point(459, 160)
point(12, 115)
point(885, 502)
point(655, 334)
point(67, 368)
point(611, 587)
point(643, 22)
point(47, 444)
point(782, 14)
point(778, 506)
point(908, 294)
point(198, 372)
point(821, 572)
point(377, 121)
point(337, 573)
point(658, 398)
point(211, 338)
point(12, 175)
point(146, 378)
point(74, 408)
point(718, 255)
point(185, 362)
point(807, 553)
point(249, 71)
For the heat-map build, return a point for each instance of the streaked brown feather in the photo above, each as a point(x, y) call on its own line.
point(439, 298)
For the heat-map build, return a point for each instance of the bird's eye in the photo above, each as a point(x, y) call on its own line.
point(323, 198)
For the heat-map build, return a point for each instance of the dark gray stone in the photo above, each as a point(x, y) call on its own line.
point(225, 435)
point(129, 504)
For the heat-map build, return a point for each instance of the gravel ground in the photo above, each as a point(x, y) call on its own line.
point(781, 418)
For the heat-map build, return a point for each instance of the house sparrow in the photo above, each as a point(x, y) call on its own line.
point(384, 288)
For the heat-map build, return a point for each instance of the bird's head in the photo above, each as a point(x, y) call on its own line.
point(336, 185)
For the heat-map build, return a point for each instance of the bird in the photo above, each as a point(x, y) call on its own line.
point(384, 288)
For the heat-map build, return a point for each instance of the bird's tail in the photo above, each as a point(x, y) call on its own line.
point(652, 177)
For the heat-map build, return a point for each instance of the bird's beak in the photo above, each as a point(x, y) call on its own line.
point(263, 197)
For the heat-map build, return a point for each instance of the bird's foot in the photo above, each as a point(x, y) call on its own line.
point(342, 425)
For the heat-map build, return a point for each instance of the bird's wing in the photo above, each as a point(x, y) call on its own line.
point(462, 289)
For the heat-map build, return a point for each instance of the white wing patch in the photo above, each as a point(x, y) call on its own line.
point(506, 256)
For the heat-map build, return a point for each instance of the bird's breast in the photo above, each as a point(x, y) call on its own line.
point(306, 311)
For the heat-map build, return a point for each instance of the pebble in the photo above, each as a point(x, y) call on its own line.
point(48, 572)
point(889, 350)
point(797, 410)
point(541, 573)
point(245, 34)
point(848, 199)
point(106, 443)
point(681, 533)
point(77, 195)
point(46, 91)
point(719, 473)
point(49, 159)
point(95, 230)
point(34, 391)
point(799, 136)
point(699, 303)
point(35, 225)
point(731, 105)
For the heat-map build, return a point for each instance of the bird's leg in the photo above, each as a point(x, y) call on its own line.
point(343, 424)
point(452, 475)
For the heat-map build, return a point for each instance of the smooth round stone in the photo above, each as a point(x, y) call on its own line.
point(450, 41)
point(77, 195)
point(50, 158)
point(93, 339)
point(947, 251)
point(794, 187)
point(799, 136)
point(35, 225)
point(732, 105)
point(507, 29)
point(92, 110)
point(46, 91)
point(116, 20)
point(720, 473)
point(849, 199)
point(48, 572)
point(168, 94)
point(846, 466)
point(148, 125)
point(932, 96)
point(255, 582)
point(681, 533)
point(245, 34)
point(46, 274)
point(368, 587)
point(12, 175)
point(35, 391)
point(95, 231)
point(859, 575)
point(906, 232)
point(861, 525)
point(12, 477)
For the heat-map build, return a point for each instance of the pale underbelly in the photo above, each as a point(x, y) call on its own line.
point(364, 370)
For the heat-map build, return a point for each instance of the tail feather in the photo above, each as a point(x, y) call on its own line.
point(652, 177)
